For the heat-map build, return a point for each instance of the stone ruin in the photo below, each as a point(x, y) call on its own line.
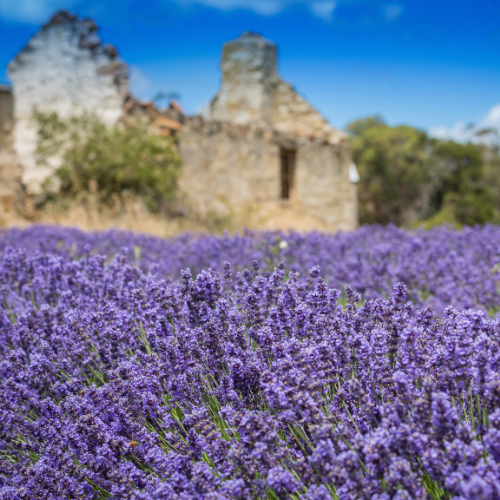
point(259, 145)
point(253, 92)
point(10, 171)
point(64, 68)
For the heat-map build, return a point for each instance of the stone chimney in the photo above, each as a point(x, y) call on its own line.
point(249, 78)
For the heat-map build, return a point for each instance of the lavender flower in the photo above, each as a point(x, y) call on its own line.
point(198, 378)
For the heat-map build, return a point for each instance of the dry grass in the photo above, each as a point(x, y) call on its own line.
point(133, 215)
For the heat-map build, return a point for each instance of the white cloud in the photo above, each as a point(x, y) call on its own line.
point(263, 7)
point(486, 130)
point(31, 11)
point(39, 11)
point(321, 8)
point(140, 82)
point(392, 11)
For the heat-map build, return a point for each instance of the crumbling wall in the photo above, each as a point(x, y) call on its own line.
point(264, 114)
point(232, 161)
point(252, 91)
point(66, 69)
point(229, 166)
point(10, 187)
point(322, 183)
point(292, 113)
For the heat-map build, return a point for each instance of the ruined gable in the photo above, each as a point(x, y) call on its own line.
point(252, 91)
point(266, 150)
point(292, 113)
point(66, 69)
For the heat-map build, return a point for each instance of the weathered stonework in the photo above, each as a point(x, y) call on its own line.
point(66, 69)
point(252, 91)
point(230, 166)
point(261, 148)
point(10, 172)
point(249, 77)
point(235, 158)
point(292, 113)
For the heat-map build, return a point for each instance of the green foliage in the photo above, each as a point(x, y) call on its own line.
point(408, 178)
point(357, 127)
point(462, 191)
point(108, 161)
point(392, 166)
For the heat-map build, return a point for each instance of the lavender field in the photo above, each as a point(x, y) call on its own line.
point(265, 365)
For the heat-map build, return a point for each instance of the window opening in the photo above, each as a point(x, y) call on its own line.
point(287, 172)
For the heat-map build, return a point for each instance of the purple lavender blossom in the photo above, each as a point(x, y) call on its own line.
point(249, 374)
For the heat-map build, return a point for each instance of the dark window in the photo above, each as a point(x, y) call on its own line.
point(287, 172)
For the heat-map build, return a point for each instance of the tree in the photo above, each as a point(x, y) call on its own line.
point(393, 168)
point(408, 178)
point(462, 191)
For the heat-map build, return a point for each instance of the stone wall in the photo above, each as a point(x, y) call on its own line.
point(322, 183)
point(66, 69)
point(231, 166)
point(10, 187)
point(254, 115)
point(227, 164)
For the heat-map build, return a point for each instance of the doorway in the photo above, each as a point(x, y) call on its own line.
point(288, 157)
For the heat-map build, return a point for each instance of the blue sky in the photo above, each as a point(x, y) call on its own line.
point(434, 64)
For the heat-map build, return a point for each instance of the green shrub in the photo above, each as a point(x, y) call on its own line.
point(109, 161)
